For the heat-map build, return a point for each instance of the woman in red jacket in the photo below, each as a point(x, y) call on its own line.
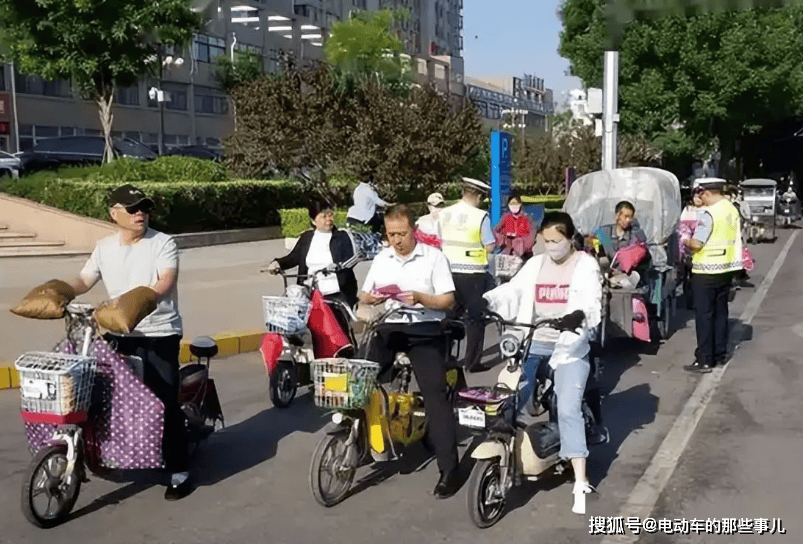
point(515, 233)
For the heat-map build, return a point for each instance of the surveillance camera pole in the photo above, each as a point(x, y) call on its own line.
point(159, 96)
point(610, 116)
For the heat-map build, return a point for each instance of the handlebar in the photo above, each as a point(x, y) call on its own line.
point(541, 322)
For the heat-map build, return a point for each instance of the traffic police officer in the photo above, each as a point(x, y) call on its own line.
point(716, 257)
point(467, 241)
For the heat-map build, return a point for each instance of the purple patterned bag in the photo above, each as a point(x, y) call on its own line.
point(126, 421)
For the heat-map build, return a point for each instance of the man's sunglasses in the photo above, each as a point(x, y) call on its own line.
point(143, 207)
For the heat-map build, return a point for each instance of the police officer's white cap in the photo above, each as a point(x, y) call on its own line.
point(708, 183)
point(476, 184)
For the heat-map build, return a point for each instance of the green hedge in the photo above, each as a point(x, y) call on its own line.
point(125, 170)
point(180, 206)
point(189, 206)
point(550, 202)
point(296, 220)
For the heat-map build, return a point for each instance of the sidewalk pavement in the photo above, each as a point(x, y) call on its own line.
point(220, 295)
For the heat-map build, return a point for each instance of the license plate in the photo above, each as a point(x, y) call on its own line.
point(336, 383)
point(38, 389)
point(471, 417)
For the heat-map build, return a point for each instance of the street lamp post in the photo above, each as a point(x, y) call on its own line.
point(160, 96)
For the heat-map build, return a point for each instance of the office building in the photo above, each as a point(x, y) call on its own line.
point(197, 111)
point(497, 97)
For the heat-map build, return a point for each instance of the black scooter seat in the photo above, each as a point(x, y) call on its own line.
point(192, 375)
point(203, 346)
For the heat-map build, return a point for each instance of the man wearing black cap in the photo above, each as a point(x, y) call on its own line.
point(467, 240)
point(140, 256)
point(716, 257)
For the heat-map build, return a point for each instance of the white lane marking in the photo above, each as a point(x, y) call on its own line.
point(651, 484)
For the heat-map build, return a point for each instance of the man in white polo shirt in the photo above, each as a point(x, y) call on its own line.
point(417, 276)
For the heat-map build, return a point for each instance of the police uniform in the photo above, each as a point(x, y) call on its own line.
point(463, 230)
point(713, 268)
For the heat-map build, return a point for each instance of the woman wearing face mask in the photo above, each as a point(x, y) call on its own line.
point(564, 284)
point(515, 234)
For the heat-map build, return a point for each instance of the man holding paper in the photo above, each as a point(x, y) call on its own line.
point(416, 276)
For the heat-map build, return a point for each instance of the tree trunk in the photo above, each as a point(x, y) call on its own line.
point(104, 102)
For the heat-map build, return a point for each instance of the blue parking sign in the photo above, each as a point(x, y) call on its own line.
point(501, 144)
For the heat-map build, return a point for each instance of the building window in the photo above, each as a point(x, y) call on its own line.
point(44, 131)
point(209, 101)
point(93, 132)
point(68, 131)
point(128, 96)
point(36, 85)
point(131, 135)
point(207, 48)
point(177, 139)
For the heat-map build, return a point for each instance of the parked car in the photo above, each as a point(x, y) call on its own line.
point(9, 165)
point(78, 150)
point(199, 151)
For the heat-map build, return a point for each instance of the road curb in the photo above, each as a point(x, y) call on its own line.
point(229, 344)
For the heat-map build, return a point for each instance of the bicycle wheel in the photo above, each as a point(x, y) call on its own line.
point(486, 501)
point(48, 495)
point(332, 469)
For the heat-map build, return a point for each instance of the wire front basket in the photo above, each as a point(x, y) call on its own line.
point(285, 315)
point(343, 383)
point(55, 383)
point(507, 265)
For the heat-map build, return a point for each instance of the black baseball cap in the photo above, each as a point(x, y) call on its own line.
point(128, 195)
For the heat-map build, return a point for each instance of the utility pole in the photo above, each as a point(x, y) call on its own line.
point(610, 115)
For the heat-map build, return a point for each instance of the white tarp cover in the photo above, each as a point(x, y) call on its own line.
point(655, 194)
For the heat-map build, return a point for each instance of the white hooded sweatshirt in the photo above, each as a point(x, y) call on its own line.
point(515, 301)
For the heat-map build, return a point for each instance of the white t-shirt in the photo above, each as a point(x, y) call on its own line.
point(425, 270)
point(319, 257)
point(552, 295)
point(124, 267)
point(429, 225)
point(365, 202)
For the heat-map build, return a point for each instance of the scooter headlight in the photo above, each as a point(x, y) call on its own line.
point(509, 345)
point(337, 418)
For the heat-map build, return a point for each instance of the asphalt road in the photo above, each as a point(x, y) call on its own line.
point(252, 476)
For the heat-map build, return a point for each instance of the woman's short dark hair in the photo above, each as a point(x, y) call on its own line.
point(625, 204)
point(515, 194)
point(562, 221)
point(400, 210)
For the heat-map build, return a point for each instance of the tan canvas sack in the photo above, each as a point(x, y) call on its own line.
point(47, 301)
point(123, 315)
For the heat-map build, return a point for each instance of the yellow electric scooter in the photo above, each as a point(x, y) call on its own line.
point(369, 420)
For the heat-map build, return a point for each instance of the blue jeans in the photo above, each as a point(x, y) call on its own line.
point(570, 383)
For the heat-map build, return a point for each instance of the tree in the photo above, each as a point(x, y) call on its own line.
point(247, 66)
point(364, 47)
point(98, 44)
point(304, 119)
point(692, 83)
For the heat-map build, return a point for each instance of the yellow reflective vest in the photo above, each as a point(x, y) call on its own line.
point(462, 238)
point(723, 250)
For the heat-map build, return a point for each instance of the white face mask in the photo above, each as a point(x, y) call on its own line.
point(514, 208)
point(558, 251)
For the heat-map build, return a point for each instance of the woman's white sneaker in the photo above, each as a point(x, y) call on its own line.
point(579, 492)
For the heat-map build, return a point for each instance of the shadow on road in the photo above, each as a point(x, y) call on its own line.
point(224, 454)
point(250, 442)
